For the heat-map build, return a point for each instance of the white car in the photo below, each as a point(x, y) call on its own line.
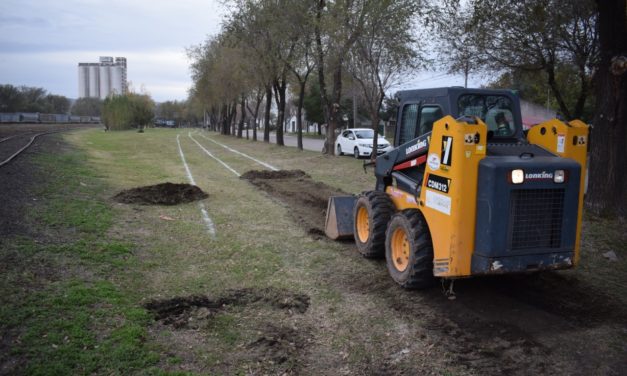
point(358, 141)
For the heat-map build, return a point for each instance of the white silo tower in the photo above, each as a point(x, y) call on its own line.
point(116, 80)
point(94, 90)
point(105, 81)
point(83, 80)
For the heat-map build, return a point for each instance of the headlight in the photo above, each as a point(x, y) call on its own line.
point(518, 176)
point(365, 145)
point(559, 176)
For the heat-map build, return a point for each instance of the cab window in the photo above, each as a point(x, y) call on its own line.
point(494, 110)
point(409, 118)
point(428, 115)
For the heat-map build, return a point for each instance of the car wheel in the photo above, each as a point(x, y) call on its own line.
point(339, 150)
point(356, 152)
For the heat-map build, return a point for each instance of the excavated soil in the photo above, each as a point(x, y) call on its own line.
point(177, 311)
point(306, 198)
point(276, 348)
point(161, 194)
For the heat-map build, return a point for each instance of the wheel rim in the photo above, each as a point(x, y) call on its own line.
point(356, 153)
point(339, 149)
point(363, 224)
point(400, 249)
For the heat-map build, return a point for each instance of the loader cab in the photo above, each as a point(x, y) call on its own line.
point(419, 109)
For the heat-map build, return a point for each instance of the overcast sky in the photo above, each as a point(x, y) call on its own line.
point(42, 42)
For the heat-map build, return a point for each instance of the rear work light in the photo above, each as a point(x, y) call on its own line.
point(518, 176)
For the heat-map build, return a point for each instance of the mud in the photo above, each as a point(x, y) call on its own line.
point(181, 311)
point(307, 199)
point(161, 194)
point(278, 346)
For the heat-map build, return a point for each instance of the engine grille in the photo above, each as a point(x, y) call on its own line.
point(536, 218)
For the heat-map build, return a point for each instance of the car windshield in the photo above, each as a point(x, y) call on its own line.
point(495, 110)
point(368, 133)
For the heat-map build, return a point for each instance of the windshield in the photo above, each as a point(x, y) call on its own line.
point(365, 134)
point(495, 110)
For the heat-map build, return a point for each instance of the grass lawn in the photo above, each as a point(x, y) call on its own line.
point(269, 299)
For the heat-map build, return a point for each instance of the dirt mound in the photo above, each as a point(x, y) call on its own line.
point(177, 311)
point(281, 174)
point(306, 198)
point(161, 194)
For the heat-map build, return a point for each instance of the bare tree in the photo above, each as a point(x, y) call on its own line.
point(385, 51)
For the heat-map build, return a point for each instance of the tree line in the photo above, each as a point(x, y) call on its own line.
point(31, 99)
point(569, 54)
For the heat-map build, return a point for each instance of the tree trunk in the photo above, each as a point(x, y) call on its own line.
point(225, 119)
point(374, 117)
point(242, 119)
point(266, 130)
point(255, 113)
point(299, 116)
point(280, 86)
point(324, 99)
point(607, 187)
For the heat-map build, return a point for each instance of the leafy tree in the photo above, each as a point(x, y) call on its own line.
point(56, 104)
point(11, 99)
point(337, 26)
point(87, 107)
point(31, 99)
point(533, 87)
point(34, 99)
point(313, 105)
point(456, 47)
point(385, 52)
point(127, 111)
point(538, 36)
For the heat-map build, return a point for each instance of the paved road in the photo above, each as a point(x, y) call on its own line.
point(289, 140)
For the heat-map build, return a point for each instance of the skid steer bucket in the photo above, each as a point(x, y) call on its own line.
point(339, 222)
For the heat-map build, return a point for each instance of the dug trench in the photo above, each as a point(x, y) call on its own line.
point(550, 323)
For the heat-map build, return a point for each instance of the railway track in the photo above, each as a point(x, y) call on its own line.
point(25, 146)
point(17, 139)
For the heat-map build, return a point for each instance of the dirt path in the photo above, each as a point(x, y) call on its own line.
point(552, 323)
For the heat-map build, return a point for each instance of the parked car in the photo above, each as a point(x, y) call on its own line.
point(358, 141)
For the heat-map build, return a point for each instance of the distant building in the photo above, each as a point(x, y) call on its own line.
point(99, 80)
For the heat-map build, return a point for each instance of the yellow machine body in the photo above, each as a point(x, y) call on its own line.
point(451, 215)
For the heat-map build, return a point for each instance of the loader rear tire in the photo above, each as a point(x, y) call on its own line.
point(371, 214)
point(409, 250)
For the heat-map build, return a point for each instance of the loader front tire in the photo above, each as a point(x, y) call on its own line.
point(409, 250)
point(371, 214)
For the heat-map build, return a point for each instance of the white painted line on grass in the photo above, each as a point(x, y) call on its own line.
point(212, 156)
point(271, 167)
point(205, 216)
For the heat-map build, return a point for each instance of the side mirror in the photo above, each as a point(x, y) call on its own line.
point(351, 137)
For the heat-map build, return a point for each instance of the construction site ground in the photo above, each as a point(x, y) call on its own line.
point(238, 277)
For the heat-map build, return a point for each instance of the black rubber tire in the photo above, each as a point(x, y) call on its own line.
point(380, 209)
point(419, 271)
point(356, 152)
point(339, 150)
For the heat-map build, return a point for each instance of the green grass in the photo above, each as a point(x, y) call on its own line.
point(69, 316)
